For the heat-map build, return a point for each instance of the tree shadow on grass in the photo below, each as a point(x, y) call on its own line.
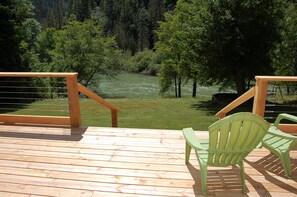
point(207, 106)
point(212, 108)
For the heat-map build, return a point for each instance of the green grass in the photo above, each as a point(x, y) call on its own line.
point(152, 113)
point(159, 113)
point(140, 105)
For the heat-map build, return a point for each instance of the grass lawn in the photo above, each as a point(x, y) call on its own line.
point(141, 107)
point(152, 113)
point(158, 113)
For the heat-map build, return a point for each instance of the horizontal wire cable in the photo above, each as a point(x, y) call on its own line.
point(22, 94)
point(39, 110)
point(6, 92)
point(26, 104)
point(25, 81)
point(32, 98)
point(41, 87)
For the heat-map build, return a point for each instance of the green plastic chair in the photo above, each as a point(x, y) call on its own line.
point(280, 143)
point(231, 139)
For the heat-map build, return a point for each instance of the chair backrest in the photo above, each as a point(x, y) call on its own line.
point(232, 138)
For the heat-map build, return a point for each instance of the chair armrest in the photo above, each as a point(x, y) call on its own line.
point(192, 139)
point(275, 131)
point(284, 116)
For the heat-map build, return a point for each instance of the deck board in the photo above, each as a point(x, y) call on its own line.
point(96, 162)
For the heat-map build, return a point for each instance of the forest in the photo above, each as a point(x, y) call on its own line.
point(219, 42)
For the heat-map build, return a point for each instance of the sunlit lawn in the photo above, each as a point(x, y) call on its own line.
point(152, 113)
point(163, 113)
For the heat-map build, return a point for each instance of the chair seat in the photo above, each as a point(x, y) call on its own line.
point(280, 143)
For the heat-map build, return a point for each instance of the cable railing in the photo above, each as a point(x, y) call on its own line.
point(259, 92)
point(44, 98)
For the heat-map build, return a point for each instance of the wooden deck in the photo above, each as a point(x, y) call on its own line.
point(99, 162)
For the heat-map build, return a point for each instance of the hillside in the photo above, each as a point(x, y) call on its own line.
point(132, 22)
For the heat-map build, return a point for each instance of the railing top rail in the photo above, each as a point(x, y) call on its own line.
point(92, 95)
point(243, 98)
point(36, 74)
point(277, 78)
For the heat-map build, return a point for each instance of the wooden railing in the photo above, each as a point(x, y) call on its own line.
point(73, 89)
point(92, 95)
point(259, 92)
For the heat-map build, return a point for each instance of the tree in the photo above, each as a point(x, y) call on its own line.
point(169, 50)
point(45, 44)
point(143, 29)
point(144, 62)
point(79, 47)
point(285, 62)
point(178, 43)
point(238, 39)
point(17, 35)
point(82, 9)
point(9, 42)
point(29, 31)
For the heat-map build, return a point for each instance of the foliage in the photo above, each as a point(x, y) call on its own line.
point(82, 9)
point(79, 47)
point(285, 62)
point(131, 22)
point(17, 35)
point(178, 45)
point(144, 62)
point(50, 13)
point(205, 40)
point(45, 43)
point(238, 39)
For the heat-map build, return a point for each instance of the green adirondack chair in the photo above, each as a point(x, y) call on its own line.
point(231, 139)
point(281, 143)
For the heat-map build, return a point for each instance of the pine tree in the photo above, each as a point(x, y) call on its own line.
point(82, 9)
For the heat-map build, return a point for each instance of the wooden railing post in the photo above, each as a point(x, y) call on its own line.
point(73, 101)
point(260, 96)
point(114, 118)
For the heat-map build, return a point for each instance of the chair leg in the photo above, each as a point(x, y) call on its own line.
point(242, 176)
point(188, 152)
point(203, 172)
point(286, 162)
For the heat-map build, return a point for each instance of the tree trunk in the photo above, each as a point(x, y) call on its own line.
point(240, 85)
point(179, 87)
point(194, 92)
point(175, 86)
point(288, 90)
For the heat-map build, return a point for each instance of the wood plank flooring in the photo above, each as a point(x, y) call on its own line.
point(99, 162)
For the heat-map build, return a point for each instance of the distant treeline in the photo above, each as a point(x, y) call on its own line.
point(132, 22)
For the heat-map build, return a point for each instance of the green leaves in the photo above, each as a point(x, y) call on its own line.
point(285, 62)
point(79, 47)
point(219, 41)
point(239, 38)
point(179, 44)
